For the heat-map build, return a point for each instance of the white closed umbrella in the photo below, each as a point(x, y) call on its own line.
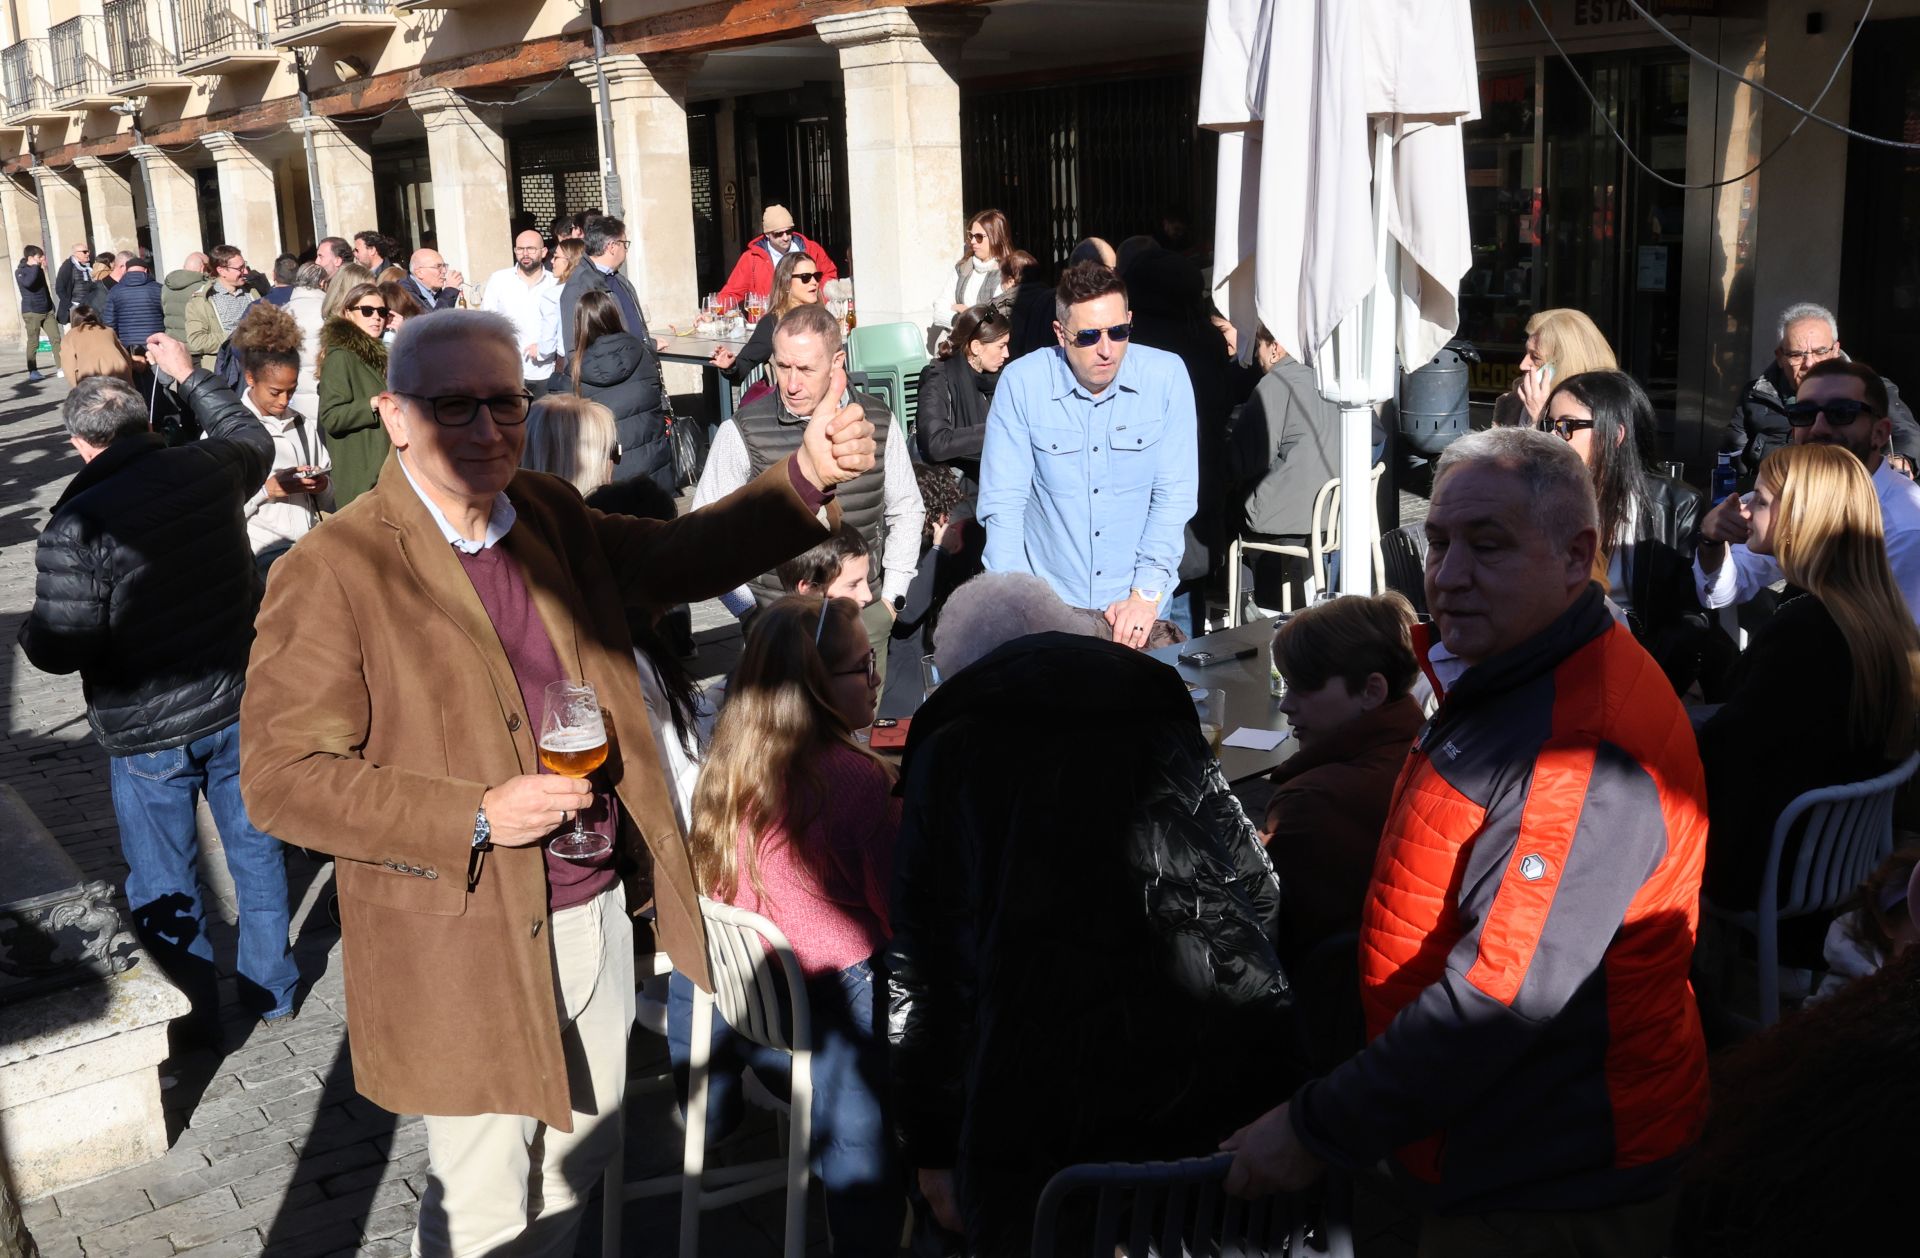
point(1342, 226)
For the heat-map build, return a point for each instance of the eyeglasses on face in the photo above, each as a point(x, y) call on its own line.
point(977, 237)
point(234, 266)
point(782, 234)
point(1564, 428)
point(1087, 338)
point(871, 668)
point(807, 277)
point(373, 312)
point(457, 410)
point(1839, 411)
point(1821, 354)
point(433, 266)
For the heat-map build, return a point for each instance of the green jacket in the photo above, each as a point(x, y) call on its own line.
point(177, 290)
point(353, 368)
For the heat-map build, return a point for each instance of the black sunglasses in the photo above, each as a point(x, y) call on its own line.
point(1839, 412)
point(369, 312)
point(457, 410)
point(1087, 338)
point(1564, 428)
point(807, 277)
point(976, 236)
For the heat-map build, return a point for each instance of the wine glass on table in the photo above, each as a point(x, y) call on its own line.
point(573, 743)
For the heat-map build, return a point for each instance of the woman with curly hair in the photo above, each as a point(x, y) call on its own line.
point(299, 486)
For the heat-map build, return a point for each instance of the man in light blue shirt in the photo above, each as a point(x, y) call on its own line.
point(1090, 470)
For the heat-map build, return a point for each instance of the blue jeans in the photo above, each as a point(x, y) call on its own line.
point(853, 1150)
point(153, 798)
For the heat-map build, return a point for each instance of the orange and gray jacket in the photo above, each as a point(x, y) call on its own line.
point(1533, 1040)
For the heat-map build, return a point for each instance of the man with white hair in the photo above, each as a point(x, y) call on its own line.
point(1535, 1069)
point(1808, 335)
point(437, 284)
point(392, 718)
point(1070, 863)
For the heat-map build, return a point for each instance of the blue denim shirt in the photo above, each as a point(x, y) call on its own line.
point(1093, 495)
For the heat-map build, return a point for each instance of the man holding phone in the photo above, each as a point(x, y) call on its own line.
point(1091, 470)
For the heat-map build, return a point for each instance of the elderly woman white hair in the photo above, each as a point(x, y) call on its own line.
point(992, 610)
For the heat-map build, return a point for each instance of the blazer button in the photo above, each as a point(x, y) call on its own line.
point(431, 874)
point(513, 723)
point(390, 865)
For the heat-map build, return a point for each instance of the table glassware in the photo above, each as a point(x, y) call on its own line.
point(573, 743)
point(930, 677)
point(1211, 708)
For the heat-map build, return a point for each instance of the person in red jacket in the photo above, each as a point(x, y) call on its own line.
point(1535, 1070)
point(753, 273)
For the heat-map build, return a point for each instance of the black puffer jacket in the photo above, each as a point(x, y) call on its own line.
point(1082, 966)
point(146, 584)
point(622, 372)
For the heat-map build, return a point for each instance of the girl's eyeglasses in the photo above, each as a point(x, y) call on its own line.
point(372, 312)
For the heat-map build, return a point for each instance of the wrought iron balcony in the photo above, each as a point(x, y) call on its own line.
point(141, 57)
point(78, 48)
point(221, 37)
point(28, 81)
point(324, 23)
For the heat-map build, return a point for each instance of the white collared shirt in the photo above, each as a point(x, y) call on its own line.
point(498, 522)
point(1744, 574)
point(534, 311)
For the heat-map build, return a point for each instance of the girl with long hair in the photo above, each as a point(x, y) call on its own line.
point(795, 820)
point(566, 256)
point(1829, 690)
point(985, 265)
point(572, 438)
point(796, 282)
point(956, 391)
point(350, 276)
point(607, 363)
point(1649, 522)
point(1561, 343)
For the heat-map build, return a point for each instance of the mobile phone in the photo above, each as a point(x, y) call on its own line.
point(1202, 658)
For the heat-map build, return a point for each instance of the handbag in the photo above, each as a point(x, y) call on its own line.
point(688, 446)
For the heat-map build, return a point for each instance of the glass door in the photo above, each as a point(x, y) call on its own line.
point(1503, 213)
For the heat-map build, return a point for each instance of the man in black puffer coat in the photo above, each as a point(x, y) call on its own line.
point(1082, 966)
point(146, 587)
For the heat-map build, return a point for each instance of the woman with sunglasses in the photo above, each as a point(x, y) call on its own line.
point(984, 266)
point(797, 281)
point(795, 820)
point(1649, 522)
point(353, 371)
point(956, 391)
point(608, 364)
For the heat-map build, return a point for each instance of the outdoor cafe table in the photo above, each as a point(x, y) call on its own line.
point(1250, 702)
point(699, 351)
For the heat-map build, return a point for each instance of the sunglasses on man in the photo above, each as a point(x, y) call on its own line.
point(1839, 411)
point(1087, 338)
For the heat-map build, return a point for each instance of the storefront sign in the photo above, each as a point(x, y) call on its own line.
point(1505, 22)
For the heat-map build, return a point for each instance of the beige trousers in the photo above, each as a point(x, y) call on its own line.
point(508, 1186)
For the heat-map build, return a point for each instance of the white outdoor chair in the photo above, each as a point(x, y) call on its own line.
point(1845, 832)
point(1324, 539)
point(749, 961)
point(1181, 1208)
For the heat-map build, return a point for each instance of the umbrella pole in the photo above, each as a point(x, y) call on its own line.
point(1357, 516)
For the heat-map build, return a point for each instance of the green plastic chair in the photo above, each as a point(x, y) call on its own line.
point(891, 356)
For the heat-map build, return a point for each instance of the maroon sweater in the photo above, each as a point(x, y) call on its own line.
point(502, 588)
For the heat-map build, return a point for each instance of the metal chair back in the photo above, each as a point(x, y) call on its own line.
point(1175, 1209)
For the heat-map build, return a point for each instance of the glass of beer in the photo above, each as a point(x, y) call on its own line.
point(1211, 707)
point(573, 743)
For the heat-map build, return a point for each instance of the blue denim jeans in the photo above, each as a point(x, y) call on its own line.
point(153, 798)
point(853, 1149)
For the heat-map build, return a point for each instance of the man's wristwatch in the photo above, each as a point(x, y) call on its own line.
point(1152, 596)
point(482, 829)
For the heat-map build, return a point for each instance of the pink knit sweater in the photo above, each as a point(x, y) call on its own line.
point(827, 888)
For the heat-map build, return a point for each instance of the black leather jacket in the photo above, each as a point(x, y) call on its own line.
point(1759, 423)
point(1657, 592)
point(1082, 966)
point(146, 585)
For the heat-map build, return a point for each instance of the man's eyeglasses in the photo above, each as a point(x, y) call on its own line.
point(456, 410)
point(373, 312)
point(807, 277)
point(1564, 428)
point(433, 266)
point(233, 266)
point(1809, 355)
point(1087, 338)
point(782, 234)
point(1839, 411)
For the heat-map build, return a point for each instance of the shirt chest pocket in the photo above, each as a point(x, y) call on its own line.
point(1059, 459)
point(1136, 453)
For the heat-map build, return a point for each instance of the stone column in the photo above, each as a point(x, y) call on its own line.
point(903, 155)
point(249, 202)
point(62, 212)
point(109, 205)
point(648, 100)
point(468, 155)
point(19, 227)
point(342, 173)
point(173, 209)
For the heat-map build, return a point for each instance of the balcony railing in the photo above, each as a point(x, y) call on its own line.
point(288, 14)
point(78, 48)
point(140, 41)
point(23, 71)
point(211, 27)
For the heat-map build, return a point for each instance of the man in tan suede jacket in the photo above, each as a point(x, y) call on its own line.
point(391, 719)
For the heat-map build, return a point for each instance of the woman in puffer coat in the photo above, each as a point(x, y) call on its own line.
point(353, 371)
point(1083, 965)
point(621, 371)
